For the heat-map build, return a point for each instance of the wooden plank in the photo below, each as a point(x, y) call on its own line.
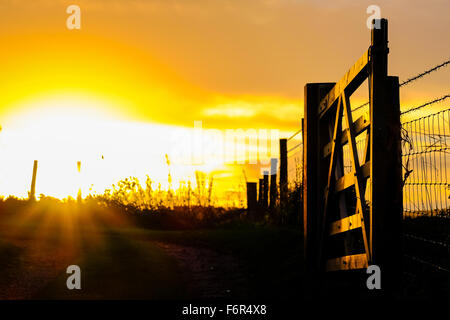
point(361, 124)
point(344, 182)
point(346, 224)
point(348, 180)
point(336, 136)
point(341, 206)
point(333, 161)
point(366, 157)
point(349, 82)
point(360, 200)
point(351, 262)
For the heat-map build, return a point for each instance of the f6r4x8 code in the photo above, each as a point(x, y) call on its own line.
point(246, 309)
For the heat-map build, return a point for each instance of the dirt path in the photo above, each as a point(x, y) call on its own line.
point(208, 274)
point(117, 262)
point(34, 265)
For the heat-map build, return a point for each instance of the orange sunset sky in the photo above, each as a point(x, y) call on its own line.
point(130, 83)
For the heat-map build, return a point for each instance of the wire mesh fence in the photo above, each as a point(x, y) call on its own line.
point(426, 192)
point(295, 159)
point(426, 152)
point(426, 164)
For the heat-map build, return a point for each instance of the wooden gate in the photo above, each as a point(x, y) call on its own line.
point(353, 220)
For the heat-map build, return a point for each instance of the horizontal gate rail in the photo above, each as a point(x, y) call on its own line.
point(356, 261)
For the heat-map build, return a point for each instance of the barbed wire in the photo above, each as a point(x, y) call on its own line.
point(435, 266)
point(361, 106)
point(412, 109)
point(420, 75)
point(411, 236)
point(296, 133)
point(424, 73)
point(426, 104)
point(427, 116)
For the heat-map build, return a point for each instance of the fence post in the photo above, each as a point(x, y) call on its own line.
point(266, 190)
point(79, 195)
point(32, 195)
point(386, 166)
point(251, 198)
point(260, 192)
point(300, 215)
point(273, 182)
point(283, 172)
point(314, 92)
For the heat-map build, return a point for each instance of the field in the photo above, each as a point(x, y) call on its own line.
point(122, 257)
point(197, 253)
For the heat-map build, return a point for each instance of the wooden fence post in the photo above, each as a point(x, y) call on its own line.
point(283, 172)
point(266, 190)
point(251, 199)
point(260, 192)
point(273, 182)
point(386, 164)
point(300, 215)
point(312, 196)
point(32, 195)
point(79, 195)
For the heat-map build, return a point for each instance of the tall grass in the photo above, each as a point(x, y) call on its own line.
point(130, 191)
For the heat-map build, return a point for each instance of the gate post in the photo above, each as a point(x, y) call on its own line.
point(314, 92)
point(386, 165)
